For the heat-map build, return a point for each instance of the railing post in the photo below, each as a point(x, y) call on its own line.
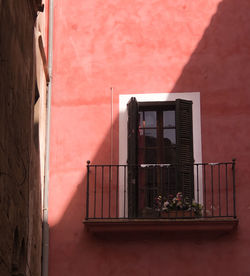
point(87, 193)
point(233, 168)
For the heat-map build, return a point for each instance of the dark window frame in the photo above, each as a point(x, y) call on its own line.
point(184, 147)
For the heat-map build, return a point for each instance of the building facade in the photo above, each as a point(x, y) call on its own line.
point(166, 56)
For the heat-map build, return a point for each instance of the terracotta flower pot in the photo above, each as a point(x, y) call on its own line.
point(178, 214)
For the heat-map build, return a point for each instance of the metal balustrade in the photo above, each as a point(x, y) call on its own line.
point(161, 191)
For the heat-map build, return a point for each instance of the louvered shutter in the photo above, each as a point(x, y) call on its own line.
point(184, 148)
point(132, 108)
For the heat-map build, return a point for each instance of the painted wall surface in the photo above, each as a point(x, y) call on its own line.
point(137, 47)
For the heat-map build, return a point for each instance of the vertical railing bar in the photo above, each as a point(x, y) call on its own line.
point(212, 188)
point(95, 195)
point(145, 173)
point(109, 187)
point(205, 190)
point(197, 183)
point(150, 189)
point(191, 189)
point(168, 188)
point(219, 189)
point(182, 189)
point(117, 181)
point(168, 183)
point(226, 190)
point(87, 192)
point(102, 191)
point(124, 203)
point(162, 185)
point(234, 203)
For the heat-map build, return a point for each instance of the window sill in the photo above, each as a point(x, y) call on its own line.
point(161, 225)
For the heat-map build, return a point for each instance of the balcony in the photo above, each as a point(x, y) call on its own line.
point(161, 197)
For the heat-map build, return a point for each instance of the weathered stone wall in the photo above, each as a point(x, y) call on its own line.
point(20, 187)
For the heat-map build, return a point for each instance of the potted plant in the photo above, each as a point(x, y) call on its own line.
point(177, 206)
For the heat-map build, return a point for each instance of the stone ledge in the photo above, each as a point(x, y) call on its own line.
point(161, 225)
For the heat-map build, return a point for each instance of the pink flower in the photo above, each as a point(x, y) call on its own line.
point(179, 196)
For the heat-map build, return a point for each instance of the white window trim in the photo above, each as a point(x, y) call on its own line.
point(123, 146)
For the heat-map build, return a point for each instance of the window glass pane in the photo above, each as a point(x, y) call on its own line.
point(150, 176)
point(169, 155)
point(169, 137)
point(141, 142)
point(141, 133)
point(146, 156)
point(150, 118)
point(141, 156)
point(169, 118)
point(150, 137)
point(150, 156)
point(170, 176)
point(140, 118)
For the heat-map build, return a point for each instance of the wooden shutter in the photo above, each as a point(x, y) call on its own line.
point(132, 157)
point(184, 146)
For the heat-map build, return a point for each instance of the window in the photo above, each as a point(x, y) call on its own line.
point(159, 134)
point(155, 99)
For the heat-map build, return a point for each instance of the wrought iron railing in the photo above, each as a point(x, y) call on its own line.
point(161, 191)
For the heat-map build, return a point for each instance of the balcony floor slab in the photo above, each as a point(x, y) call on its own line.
point(161, 225)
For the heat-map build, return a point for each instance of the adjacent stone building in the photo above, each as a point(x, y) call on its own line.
point(22, 109)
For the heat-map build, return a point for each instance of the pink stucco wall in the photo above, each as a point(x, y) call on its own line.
point(149, 46)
